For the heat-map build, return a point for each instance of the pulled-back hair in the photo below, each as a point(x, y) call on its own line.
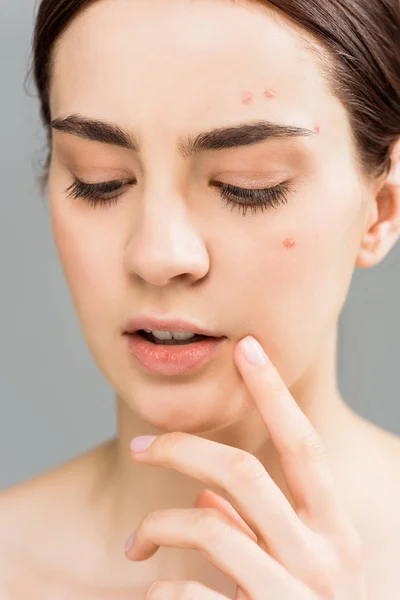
point(360, 37)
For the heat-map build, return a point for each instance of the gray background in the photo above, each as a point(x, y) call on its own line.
point(55, 403)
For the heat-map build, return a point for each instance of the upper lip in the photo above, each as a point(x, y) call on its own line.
point(164, 324)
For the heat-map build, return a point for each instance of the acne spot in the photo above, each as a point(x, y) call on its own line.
point(317, 128)
point(247, 98)
point(289, 243)
point(269, 93)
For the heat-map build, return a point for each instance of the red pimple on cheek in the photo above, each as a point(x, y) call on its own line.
point(269, 93)
point(247, 98)
point(289, 243)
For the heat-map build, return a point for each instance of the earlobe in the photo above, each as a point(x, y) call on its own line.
point(384, 231)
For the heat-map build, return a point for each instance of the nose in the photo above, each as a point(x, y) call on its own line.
point(165, 244)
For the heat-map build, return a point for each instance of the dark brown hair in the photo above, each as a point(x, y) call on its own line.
point(360, 37)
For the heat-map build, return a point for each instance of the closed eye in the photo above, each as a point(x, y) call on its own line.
point(104, 194)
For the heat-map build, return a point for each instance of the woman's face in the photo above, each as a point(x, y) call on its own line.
point(170, 245)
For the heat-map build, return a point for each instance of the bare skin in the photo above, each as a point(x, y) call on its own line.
point(68, 556)
point(290, 270)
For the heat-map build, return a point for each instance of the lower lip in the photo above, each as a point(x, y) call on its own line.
point(172, 360)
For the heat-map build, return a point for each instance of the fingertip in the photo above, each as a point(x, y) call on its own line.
point(253, 351)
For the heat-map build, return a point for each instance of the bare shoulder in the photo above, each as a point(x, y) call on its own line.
point(376, 457)
point(378, 515)
point(385, 463)
point(43, 508)
point(45, 495)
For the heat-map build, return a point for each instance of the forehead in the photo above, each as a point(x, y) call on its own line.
point(136, 61)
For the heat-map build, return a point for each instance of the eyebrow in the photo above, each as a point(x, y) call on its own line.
point(242, 134)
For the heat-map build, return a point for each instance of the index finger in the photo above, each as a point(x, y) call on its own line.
point(302, 454)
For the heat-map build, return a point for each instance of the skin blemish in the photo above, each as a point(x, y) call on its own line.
point(269, 93)
point(317, 128)
point(247, 98)
point(289, 243)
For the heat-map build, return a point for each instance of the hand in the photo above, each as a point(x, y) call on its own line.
point(270, 550)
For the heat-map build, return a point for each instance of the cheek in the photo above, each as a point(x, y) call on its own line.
point(311, 280)
point(319, 253)
point(295, 272)
point(314, 247)
point(89, 258)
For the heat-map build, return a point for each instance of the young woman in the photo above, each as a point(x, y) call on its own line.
point(217, 168)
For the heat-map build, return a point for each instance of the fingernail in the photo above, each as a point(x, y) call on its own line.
point(142, 442)
point(129, 541)
point(254, 351)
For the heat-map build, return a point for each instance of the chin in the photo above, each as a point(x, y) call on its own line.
point(205, 400)
point(196, 406)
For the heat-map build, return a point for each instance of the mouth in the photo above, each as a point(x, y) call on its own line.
point(173, 342)
point(172, 356)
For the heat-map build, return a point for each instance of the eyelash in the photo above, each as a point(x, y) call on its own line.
point(256, 199)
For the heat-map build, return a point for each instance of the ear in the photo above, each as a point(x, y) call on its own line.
point(384, 223)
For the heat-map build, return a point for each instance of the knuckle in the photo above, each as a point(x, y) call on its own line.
point(157, 590)
point(150, 522)
point(189, 590)
point(169, 444)
point(330, 561)
point(308, 445)
point(351, 550)
point(322, 567)
point(150, 518)
point(244, 468)
point(323, 575)
point(181, 590)
point(210, 527)
point(276, 383)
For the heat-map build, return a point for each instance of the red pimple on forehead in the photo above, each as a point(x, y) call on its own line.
point(247, 98)
point(289, 243)
point(317, 128)
point(269, 93)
